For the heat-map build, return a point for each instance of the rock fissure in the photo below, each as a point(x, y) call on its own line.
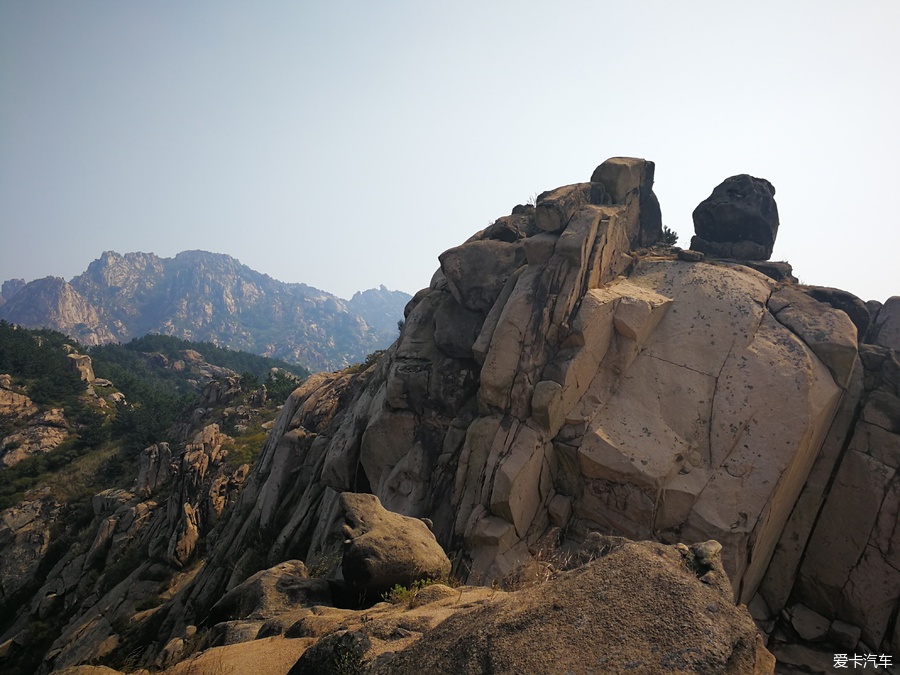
point(680, 365)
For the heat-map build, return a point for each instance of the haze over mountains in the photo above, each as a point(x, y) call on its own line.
point(212, 297)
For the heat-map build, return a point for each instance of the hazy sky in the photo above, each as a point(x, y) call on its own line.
point(347, 144)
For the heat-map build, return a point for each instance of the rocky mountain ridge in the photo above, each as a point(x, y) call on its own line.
point(202, 296)
point(561, 379)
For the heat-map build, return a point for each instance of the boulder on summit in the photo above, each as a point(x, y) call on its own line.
point(738, 220)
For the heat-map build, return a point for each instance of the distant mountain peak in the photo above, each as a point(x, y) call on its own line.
point(204, 296)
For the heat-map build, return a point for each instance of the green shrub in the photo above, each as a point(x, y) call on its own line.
point(246, 448)
point(669, 236)
point(403, 595)
point(361, 367)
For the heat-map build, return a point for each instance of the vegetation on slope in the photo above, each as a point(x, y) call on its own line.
point(106, 439)
point(36, 359)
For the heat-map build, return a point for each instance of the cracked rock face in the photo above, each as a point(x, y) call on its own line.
point(662, 399)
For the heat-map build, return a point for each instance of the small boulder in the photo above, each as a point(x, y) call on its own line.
point(383, 549)
point(738, 220)
point(690, 256)
point(277, 589)
point(810, 625)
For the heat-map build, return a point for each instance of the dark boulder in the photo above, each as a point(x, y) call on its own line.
point(738, 220)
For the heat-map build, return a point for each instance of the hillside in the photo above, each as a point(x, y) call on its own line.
point(74, 425)
point(59, 401)
point(207, 297)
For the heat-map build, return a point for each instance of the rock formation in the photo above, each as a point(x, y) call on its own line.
point(573, 383)
point(738, 220)
point(41, 433)
point(53, 303)
point(81, 364)
point(33, 430)
point(9, 288)
point(559, 376)
point(384, 549)
point(24, 540)
point(202, 296)
point(552, 377)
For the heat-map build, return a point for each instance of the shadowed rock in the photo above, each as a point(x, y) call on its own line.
point(738, 220)
point(382, 549)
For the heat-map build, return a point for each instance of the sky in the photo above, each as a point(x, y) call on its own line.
point(347, 144)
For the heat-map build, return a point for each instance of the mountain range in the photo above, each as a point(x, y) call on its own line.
point(208, 297)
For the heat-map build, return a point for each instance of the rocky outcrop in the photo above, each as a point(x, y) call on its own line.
point(37, 431)
point(24, 541)
point(200, 493)
point(137, 541)
point(270, 593)
point(738, 220)
point(9, 288)
point(886, 326)
point(579, 385)
point(202, 296)
point(617, 613)
point(558, 374)
point(155, 468)
point(384, 549)
point(53, 303)
point(12, 402)
point(81, 364)
point(619, 605)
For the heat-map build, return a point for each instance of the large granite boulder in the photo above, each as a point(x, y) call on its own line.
point(628, 179)
point(382, 549)
point(738, 220)
point(477, 271)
